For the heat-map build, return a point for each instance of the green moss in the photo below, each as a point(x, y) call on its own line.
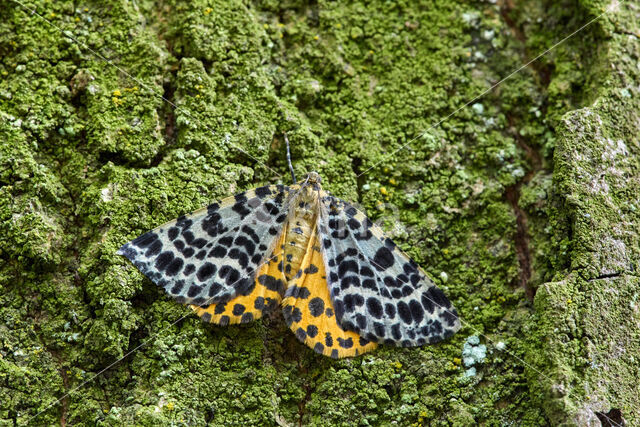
point(91, 157)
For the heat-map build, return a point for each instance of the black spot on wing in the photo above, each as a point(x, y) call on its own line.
point(263, 192)
point(243, 241)
point(451, 317)
point(212, 224)
point(312, 331)
point(230, 274)
point(252, 234)
point(300, 292)
point(291, 314)
point(435, 295)
point(271, 283)
point(390, 310)
point(193, 291)
point(189, 269)
point(220, 308)
point(174, 267)
point(348, 343)
point(374, 307)
point(206, 271)
point(312, 269)
point(328, 339)
point(363, 341)
point(153, 249)
point(173, 233)
point(316, 306)
point(416, 311)
point(163, 260)
point(238, 309)
point(383, 259)
point(404, 312)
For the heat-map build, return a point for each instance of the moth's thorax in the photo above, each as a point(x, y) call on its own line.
point(300, 228)
point(312, 181)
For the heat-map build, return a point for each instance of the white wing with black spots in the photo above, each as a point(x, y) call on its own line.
point(376, 290)
point(212, 255)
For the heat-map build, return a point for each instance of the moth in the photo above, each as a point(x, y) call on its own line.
point(343, 286)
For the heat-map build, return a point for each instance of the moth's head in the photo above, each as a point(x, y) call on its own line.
point(313, 178)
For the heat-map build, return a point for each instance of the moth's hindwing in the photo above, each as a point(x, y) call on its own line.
point(309, 312)
point(213, 254)
point(376, 290)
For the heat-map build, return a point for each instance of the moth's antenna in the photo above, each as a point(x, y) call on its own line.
point(293, 175)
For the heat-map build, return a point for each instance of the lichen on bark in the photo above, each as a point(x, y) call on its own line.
point(116, 116)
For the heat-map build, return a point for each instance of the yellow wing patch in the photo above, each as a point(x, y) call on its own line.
point(265, 295)
point(309, 312)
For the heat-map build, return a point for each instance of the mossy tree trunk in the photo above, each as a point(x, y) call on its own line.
point(523, 206)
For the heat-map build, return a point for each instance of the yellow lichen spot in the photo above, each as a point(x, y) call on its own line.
point(77, 19)
point(392, 181)
point(86, 9)
point(457, 361)
point(266, 26)
point(383, 191)
point(53, 15)
point(338, 25)
point(197, 95)
point(445, 251)
point(316, 37)
point(370, 52)
point(170, 406)
point(569, 301)
point(397, 365)
point(116, 97)
point(208, 11)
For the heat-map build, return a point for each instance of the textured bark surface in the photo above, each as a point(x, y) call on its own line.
point(523, 206)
